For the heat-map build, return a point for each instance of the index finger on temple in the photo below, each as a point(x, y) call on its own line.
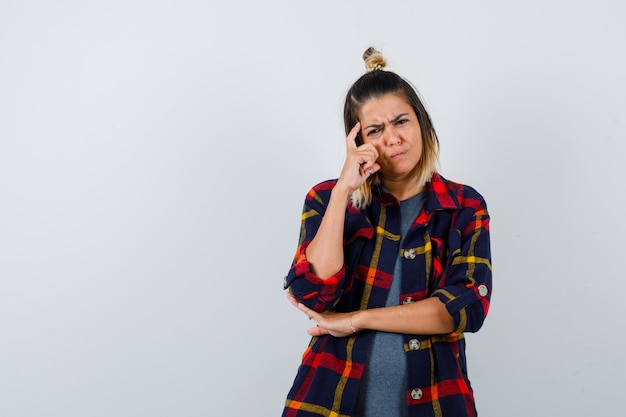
point(351, 138)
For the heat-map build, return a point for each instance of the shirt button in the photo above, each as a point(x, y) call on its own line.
point(409, 254)
point(408, 300)
point(482, 290)
point(416, 394)
point(414, 344)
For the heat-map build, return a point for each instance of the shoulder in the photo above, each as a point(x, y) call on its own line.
point(324, 186)
point(319, 195)
point(320, 192)
point(467, 195)
point(451, 193)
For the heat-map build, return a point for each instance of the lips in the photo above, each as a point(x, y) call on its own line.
point(398, 154)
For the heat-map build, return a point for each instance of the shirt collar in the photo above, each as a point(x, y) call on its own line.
point(440, 196)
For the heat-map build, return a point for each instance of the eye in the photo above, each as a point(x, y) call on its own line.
point(402, 121)
point(373, 132)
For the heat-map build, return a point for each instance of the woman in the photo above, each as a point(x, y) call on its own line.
point(393, 265)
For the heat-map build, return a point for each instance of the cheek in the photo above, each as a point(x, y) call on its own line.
point(419, 144)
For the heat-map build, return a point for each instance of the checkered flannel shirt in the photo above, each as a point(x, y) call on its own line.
point(445, 254)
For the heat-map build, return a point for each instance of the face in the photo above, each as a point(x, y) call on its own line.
point(390, 124)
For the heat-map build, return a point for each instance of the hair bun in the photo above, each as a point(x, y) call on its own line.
point(374, 60)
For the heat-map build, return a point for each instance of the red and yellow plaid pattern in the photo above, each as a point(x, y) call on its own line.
point(445, 254)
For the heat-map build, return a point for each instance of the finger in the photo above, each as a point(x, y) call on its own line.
point(317, 331)
point(351, 138)
point(310, 313)
point(367, 155)
point(369, 169)
point(292, 300)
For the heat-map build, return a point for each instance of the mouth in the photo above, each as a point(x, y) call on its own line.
point(397, 154)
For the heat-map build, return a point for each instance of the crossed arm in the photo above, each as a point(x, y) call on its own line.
point(424, 317)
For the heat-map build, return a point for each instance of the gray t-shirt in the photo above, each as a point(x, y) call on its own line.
point(382, 392)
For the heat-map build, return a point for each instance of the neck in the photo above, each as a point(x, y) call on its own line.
point(402, 190)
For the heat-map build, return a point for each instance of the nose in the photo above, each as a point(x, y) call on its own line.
point(392, 136)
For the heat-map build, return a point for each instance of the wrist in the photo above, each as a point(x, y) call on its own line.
point(341, 192)
point(355, 323)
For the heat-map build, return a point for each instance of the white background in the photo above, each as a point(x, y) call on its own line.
point(154, 157)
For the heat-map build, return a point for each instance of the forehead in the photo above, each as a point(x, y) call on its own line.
point(383, 108)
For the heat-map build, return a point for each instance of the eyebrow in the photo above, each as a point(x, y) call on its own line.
point(395, 119)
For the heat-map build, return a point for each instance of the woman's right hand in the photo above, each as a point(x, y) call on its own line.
point(360, 162)
point(325, 252)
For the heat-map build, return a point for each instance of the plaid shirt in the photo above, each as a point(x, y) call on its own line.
point(445, 254)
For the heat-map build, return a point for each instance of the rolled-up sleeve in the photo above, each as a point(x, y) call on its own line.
point(466, 284)
point(312, 291)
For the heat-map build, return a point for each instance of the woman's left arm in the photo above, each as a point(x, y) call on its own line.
point(428, 316)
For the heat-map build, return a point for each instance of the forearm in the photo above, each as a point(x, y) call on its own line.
point(423, 317)
point(325, 252)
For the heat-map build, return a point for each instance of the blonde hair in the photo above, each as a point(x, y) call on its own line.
point(374, 60)
point(377, 82)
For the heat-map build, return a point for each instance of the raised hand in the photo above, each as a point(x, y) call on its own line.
point(360, 162)
point(325, 252)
